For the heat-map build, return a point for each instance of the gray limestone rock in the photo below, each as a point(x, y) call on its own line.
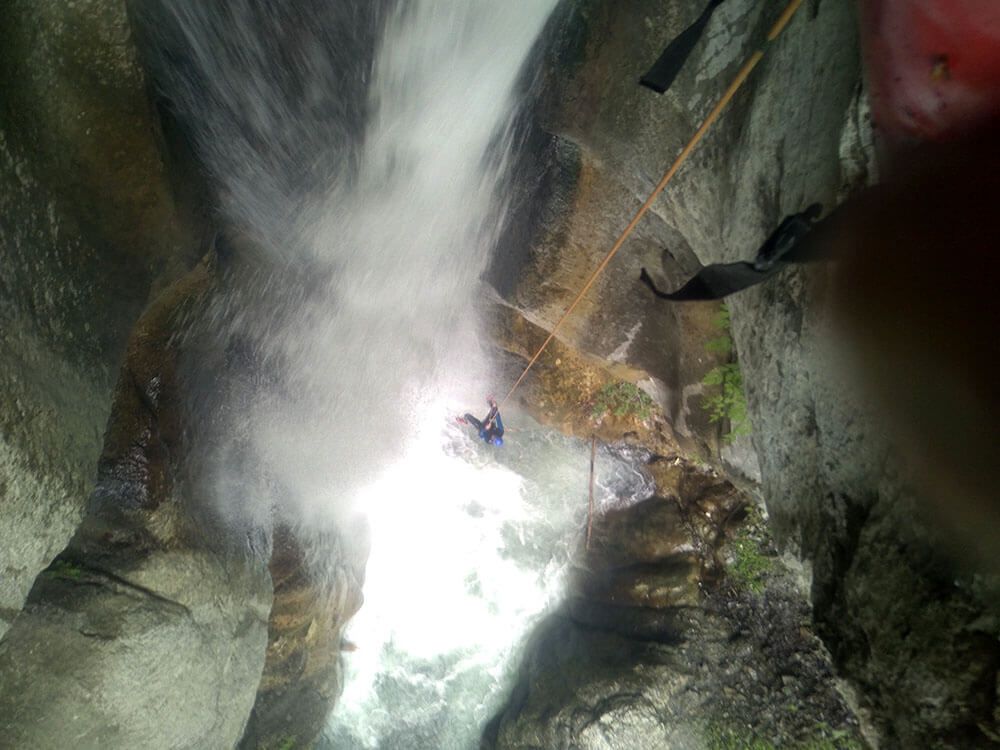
point(163, 654)
point(649, 652)
point(150, 628)
point(904, 622)
point(88, 226)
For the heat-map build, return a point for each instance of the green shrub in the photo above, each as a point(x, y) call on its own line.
point(729, 402)
point(622, 400)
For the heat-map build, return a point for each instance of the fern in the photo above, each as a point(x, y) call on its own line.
point(728, 403)
point(622, 400)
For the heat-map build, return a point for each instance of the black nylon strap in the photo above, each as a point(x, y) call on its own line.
point(785, 245)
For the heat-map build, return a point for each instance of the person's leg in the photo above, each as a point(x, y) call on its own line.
point(474, 422)
point(498, 430)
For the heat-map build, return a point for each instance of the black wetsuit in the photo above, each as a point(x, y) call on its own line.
point(491, 426)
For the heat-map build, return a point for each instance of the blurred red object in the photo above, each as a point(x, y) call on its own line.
point(932, 67)
point(919, 255)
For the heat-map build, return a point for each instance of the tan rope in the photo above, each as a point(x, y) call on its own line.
point(738, 81)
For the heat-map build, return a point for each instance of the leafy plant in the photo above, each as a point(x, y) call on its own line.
point(622, 400)
point(722, 344)
point(750, 565)
point(729, 402)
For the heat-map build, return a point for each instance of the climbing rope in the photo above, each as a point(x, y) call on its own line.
point(738, 81)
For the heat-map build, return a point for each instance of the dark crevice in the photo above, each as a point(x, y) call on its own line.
point(88, 575)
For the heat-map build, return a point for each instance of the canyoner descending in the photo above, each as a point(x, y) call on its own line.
point(490, 427)
point(368, 198)
point(362, 184)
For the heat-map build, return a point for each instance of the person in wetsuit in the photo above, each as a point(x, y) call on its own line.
point(490, 427)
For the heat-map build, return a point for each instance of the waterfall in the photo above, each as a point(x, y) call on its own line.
point(363, 148)
point(410, 232)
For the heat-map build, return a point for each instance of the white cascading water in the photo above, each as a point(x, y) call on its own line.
point(408, 237)
point(459, 572)
point(468, 542)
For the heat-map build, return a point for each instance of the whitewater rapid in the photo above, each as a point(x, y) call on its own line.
point(362, 152)
point(470, 547)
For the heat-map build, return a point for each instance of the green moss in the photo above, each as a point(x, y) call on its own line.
point(622, 400)
point(830, 739)
point(727, 738)
point(728, 403)
point(750, 565)
point(718, 737)
point(287, 743)
point(65, 569)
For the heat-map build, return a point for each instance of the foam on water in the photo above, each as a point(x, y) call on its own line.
point(365, 148)
point(470, 546)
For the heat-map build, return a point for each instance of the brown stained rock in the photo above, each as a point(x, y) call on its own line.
point(150, 628)
point(302, 676)
point(560, 388)
point(671, 583)
point(687, 519)
point(143, 441)
point(604, 142)
point(661, 552)
point(711, 505)
point(95, 222)
point(648, 532)
point(615, 319)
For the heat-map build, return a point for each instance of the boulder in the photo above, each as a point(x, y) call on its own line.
point(647, 652)
point(317, 589)
point(149, 630)
point(90, 226)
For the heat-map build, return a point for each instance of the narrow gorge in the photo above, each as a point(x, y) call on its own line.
point(256, 257)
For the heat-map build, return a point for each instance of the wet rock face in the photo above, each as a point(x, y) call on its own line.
point(650, 652)
point(117, 653)
point(563, 386)
point(883, 590)
point(313, 601)
point(601, 145)
point(89, 225)
point(149, 630)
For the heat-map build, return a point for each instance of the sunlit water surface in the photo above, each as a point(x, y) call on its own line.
point(470, 544)
point(367, 147)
